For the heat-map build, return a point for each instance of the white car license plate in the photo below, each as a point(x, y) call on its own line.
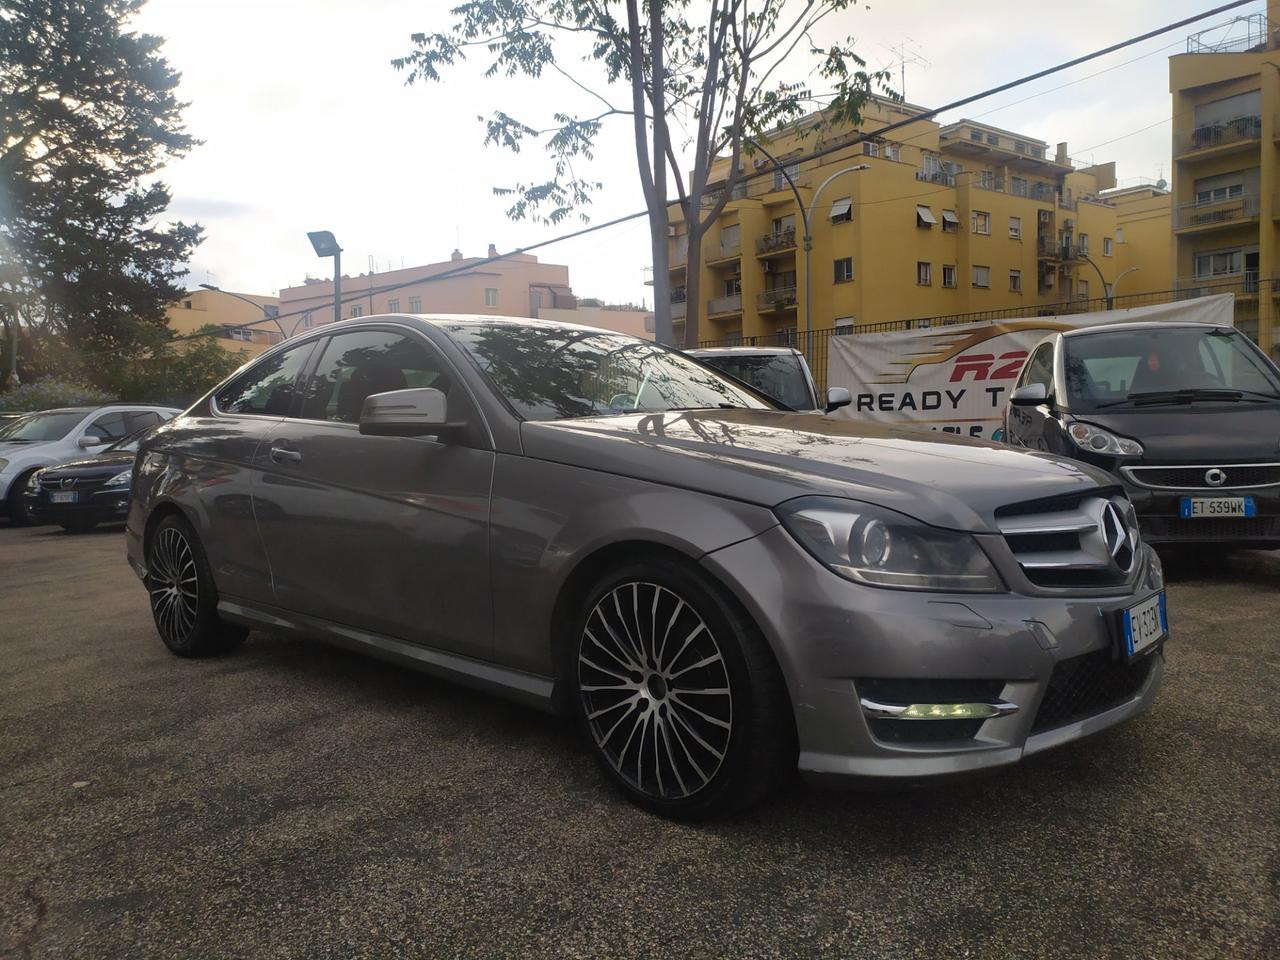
point(67, 496)
point(1145, 623)
point(1193, 507)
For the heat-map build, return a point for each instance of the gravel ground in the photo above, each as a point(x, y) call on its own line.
point(298, 801)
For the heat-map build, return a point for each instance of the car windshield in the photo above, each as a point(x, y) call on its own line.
point(1178, 364)
point(39, 427)
point(555, 373)
point(779, 376)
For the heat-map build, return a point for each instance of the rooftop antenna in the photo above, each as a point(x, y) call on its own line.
point(907, 51)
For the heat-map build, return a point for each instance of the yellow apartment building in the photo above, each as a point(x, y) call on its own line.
point(1144, 239)
point(1226, 133)
point(200, 308)
point(944, 220)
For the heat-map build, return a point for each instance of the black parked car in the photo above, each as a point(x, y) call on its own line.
point(1187, 415)
point(80, 494)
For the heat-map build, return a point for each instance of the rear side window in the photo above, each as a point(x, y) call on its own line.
point(355, 365)
point(266, 388)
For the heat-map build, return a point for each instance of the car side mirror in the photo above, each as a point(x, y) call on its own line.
point(86, 442)
point(1029, 395)
point(418, 412)
point(838, 397)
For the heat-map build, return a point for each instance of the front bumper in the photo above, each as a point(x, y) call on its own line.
point(836, 641)
point(110, 505)
point(1160, 518)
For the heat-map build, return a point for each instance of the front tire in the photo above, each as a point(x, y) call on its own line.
point(16, 507)
point(679, 694)
point(184, 602)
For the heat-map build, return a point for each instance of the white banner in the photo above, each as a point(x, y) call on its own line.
point(956, 378)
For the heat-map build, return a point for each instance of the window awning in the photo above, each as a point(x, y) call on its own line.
point(925, 214)
point(949, 216)
point(841, 207)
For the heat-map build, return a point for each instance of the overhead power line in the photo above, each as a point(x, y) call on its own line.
point(769, 169)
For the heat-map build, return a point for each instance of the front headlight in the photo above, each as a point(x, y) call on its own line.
point(1096, 440)
point(121, 479)
point(883, 548)
point(34, 483)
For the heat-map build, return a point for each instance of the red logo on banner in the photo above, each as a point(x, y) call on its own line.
point(981, 364)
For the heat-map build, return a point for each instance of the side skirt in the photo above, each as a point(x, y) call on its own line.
point(526, 688)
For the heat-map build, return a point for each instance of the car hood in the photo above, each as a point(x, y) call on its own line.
point(8, 450)
point(767, 457)
point(106, 463)
point(1198, 433)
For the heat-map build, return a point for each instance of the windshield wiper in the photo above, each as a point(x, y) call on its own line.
point(1175, 396)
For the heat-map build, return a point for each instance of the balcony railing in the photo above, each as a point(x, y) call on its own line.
point(776, 241)
point(731, 304)
point(1194, 214)
point(779, 298)
point(1235, 130)
point(1242, 283)
point(936, 176)
point(679, 308)
point(1048, 246)
point(1239, 35)
point(724, 251)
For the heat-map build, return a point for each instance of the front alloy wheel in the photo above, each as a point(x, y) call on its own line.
point(184, 601)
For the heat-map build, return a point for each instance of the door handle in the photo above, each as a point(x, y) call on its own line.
point(283, 454)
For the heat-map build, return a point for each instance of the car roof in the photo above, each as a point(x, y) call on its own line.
point(104, 406)
point(742, 351)
point(1138, 326)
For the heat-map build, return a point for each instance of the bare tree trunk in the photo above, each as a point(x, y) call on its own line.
point(693, 287)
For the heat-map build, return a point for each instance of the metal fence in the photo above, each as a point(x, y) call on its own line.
point(1255, 302)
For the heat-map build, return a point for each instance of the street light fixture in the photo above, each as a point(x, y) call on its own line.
point(266, 314)
point(806, 218)
point(324, 244)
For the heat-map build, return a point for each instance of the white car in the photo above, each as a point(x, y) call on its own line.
point(51, 436)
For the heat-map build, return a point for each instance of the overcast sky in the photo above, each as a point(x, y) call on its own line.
point(306, 126)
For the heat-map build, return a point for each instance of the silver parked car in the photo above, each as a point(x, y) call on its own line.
point(719, 591)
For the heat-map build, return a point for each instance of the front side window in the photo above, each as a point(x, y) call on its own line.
point(556, 373)
point(266, 388)
point(140, 420)
point(1115, 368)
point(109, 426)
point(1039, 368)
point(358, 364)
point(40, 427)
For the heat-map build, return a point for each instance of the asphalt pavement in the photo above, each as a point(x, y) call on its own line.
point(293, 800)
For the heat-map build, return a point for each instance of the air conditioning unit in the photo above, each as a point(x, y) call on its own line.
point(1046, 216)
point(759, 162)
point(1048, 278)
point(768, 266)
point(1068, 225)
point(671, 231)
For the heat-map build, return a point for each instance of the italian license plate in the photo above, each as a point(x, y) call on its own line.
point(1145, 624)
point(67, 496)
point(1193, 507)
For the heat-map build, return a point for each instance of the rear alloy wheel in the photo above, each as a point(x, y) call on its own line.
point(680, 696)
point(183, 599)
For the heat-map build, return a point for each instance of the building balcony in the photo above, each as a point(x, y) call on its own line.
point(679, 308)
point(723, 305)
point(1214, 139)
point(1222, 213)
point(1048, 248)
point(1241, 35)
point(936, 176)
point(724, 253)
point(777, 242)
point(779, 298)
point(1244, 285)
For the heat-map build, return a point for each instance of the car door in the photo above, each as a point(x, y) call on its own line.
point(386, 534)
point(216, 468)
point(1025, 426)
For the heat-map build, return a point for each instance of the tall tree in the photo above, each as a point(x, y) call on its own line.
point(710, 69)
point(88, 115)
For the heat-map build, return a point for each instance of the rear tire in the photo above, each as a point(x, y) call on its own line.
point(678, 693)
point(184, 601)
point(16, 507)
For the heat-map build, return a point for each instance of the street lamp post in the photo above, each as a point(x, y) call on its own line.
point(806, 219)
point(324, 244)
point(1108, 289)
point(266, 314)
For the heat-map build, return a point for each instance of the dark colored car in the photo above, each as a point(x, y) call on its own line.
point(80, 494)
point(780, 373)
point(1186, 415)
point(720, 591)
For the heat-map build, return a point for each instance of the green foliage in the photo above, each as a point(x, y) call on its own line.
point(49, 392)
point(89, 117)
point(176, 373)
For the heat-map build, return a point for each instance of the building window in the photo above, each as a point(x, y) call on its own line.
point(357, 311)
point(949, 275)
point(1084, 244)
point(1083, 287)
point(490, 296)
point(270, 311)
point(924, 217)
point(240, 333)
point(393, 306)
point(1015, 281)
point(986, 180)
point(981, 277)
point(1015, 228)
point(924, 273)
point(1119, 234)
point(842, 210)
point(1019, 147)
point(186, 304)
point(892, 151)
point(306, 320)
point(950, 222)
point(1219, 194)
point(733, 287)
point(975, 135)
point(993, 140)
point(1221, 264)
point(982, 222)
point(1019, 187)
point(844, 269)
point(780, 180)
point(844, 326)
point(870, 148)
point(415, 304)
point(1106, 246)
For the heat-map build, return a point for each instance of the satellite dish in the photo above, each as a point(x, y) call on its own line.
point(1162, 184)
